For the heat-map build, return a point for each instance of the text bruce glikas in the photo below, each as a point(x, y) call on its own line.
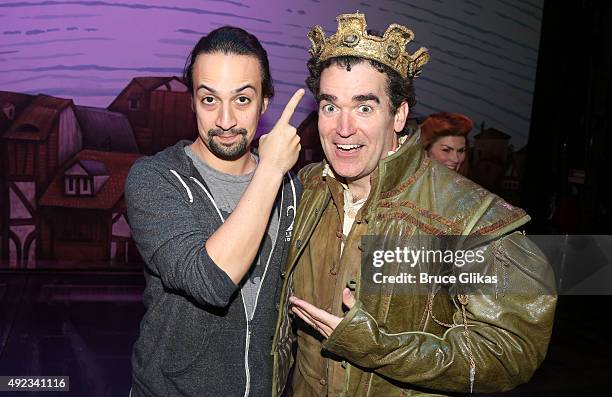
point(412, 257)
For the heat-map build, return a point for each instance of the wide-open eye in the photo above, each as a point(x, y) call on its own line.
point(365, 109)
point(328, 108)
point(243, 100)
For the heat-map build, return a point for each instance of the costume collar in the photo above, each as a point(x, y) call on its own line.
point(400, 163)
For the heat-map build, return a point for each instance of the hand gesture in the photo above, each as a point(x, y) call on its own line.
point(279, 149)
point(319, 319)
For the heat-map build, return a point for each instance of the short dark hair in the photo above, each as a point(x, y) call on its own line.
point(231, 40)
point(398, 89)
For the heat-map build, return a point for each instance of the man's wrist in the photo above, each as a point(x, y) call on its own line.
point(346, 320)
point(270, 172)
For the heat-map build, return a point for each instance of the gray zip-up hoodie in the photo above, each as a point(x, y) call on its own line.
point(195, 338)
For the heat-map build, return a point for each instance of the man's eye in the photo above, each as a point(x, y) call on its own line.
point(243, 100)
point(365, 109)
point(208, 100)
point(328, 108)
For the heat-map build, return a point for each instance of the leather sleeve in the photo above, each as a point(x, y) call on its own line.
point(506, 341)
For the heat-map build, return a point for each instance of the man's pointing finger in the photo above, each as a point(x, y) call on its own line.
point(285, 117)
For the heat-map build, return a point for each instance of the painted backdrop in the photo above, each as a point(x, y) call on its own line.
point(86, 87)
point(483, 53)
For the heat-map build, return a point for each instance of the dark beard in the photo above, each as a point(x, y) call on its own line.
point(225, 152)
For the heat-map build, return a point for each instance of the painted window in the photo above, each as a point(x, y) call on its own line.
point(85, 186)
point(134, 103)
point(70, 185)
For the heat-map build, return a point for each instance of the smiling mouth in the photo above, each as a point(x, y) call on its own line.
point(349, 148)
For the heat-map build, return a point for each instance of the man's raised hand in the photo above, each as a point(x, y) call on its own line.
point(279, 149)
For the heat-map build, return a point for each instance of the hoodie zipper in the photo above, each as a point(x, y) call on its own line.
point(246, 357)
point(263, 277)
point(246, 313)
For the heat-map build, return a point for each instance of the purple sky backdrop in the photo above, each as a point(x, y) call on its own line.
point(484, 52)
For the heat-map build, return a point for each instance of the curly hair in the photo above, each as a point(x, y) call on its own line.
point(398, 89)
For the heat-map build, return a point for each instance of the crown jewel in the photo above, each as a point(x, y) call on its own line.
point(352, 39)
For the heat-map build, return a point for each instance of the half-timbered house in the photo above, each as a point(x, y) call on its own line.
point(41, 137)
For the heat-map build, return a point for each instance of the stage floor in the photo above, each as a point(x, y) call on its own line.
point(78, 324)
point(83, 324)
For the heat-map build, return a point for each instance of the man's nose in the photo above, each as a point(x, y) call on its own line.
point(346, 127)
point(226, 119)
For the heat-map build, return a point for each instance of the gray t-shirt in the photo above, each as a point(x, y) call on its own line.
point(227, 190)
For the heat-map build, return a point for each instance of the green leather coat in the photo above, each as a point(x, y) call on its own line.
point(393, 343)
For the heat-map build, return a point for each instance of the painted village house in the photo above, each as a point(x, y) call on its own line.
point(11, 105)
point(41, 135)
point(490, 157)
point(63, 169)
point(510, 188)
point(85, 210)
point(105, 130)
point(159, 110)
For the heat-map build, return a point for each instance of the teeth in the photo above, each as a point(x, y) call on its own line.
point(348, 147)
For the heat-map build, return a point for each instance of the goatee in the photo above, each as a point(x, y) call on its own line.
point(231, 151)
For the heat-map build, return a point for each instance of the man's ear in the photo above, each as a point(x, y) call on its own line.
point(264, 105)
point(401, 115)
point(192, 104)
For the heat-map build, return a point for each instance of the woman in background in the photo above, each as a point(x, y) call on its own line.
point(444, 137)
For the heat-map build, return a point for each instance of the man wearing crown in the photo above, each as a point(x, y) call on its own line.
point(357, 337)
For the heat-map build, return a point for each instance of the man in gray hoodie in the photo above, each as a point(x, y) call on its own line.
point(213, 221)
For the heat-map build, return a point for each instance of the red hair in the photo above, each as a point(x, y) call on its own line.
point(442, 124)
point(438, 125)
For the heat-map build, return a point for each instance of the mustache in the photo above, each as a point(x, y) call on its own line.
point(234, 131)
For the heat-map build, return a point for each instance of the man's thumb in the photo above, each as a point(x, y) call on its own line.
point(347, 298)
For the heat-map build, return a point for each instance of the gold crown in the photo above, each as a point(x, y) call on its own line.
point(352, 39)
